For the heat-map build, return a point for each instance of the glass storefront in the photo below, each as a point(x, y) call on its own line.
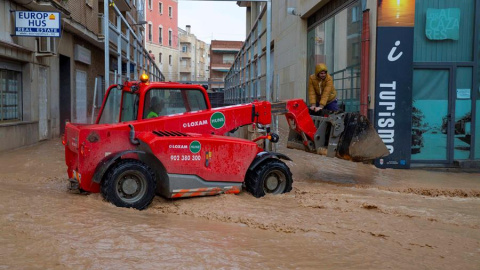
point(336, 42)
point(477, 107)
point(443, 82)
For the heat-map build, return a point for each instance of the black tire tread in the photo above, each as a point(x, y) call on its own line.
point(254, 177)
point(108, 182)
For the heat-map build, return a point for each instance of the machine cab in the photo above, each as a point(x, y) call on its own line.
point(138, 100)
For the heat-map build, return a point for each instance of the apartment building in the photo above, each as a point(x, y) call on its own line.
point(222, 56)
point(194, 58)
point(161, 36)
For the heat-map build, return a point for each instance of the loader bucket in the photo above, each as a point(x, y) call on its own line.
point(360, 140)
point(343, 135)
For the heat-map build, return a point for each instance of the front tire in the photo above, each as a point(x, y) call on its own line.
point(271, 177)
point(130, 183)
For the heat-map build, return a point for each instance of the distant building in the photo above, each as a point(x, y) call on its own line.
point(222, 56)
point(194, 57)
point(161, 36)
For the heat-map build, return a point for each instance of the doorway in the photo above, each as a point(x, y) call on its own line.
point(65, 92)
point(441, 114)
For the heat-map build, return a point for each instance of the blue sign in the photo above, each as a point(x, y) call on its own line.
point(443, 24)
point(393, 94)
point(37, 24)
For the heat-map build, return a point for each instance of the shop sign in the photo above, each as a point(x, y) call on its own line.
point(37, 24)
point(393, 85)
point(443, 24)
point(82, 54)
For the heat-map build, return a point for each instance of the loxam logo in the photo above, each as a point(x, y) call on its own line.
point(217, 120)
point(195, 147)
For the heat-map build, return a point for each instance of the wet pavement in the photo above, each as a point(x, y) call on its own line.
point(339, 215)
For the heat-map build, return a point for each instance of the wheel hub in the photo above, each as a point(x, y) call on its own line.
point(271, 183)
point(129, 186)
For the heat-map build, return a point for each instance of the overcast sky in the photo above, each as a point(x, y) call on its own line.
point(220, 20)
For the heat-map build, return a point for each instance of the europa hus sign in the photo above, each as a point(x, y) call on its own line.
point(393, 83)
point(37, 24)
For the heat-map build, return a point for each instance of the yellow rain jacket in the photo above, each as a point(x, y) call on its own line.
point(321, 91)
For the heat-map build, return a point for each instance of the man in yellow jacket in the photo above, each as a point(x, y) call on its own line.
point(321, 92)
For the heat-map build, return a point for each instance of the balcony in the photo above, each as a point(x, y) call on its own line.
point(185, 69)
point(186, 55)
point(122, 5)
point(221, 67)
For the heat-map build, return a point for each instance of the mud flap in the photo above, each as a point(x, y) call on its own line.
point(360, 141)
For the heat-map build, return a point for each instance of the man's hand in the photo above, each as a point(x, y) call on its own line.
point(312, 107)
point(316, 109)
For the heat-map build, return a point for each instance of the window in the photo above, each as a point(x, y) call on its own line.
point(160, 7)
point(160, 58)
point(340, 60)
point(170, 38)
point(356, 14)
point(150, 32)
point(10, 95)
point(170, 12)
point(150, 4)
point(184, 48)
point(173, 101)
point(160, 35)
point(170, 60)
point(116, 99)
point(228, 58)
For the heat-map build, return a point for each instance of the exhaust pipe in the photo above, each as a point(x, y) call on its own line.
point(133, 140)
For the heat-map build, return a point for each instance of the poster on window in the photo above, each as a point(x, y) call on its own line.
point(393, 85)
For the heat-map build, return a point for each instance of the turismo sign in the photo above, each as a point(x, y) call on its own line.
point(37, 24)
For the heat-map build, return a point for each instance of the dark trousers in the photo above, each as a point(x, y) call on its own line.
point(332, 106)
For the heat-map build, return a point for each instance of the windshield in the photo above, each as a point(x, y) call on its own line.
point(160, 102)
point(111, 111)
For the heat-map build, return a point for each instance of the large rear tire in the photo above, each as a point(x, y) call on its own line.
point(271, 177)
point(130, 183)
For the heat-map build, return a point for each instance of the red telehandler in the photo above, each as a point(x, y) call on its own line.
point(165, 138)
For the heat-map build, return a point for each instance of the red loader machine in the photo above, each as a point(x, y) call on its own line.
point(165, 138)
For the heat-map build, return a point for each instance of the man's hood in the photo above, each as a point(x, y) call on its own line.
point(320, 67)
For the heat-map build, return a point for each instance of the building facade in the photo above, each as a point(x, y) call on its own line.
point(412, 66)
point(161, 36)
point(222, 56)
point(194, 58)
point(47, 81)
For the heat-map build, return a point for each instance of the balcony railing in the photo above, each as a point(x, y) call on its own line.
point(347, 84)
point(127, 50)
point(250, 77)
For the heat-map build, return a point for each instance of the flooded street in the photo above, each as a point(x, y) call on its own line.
point(339, 215)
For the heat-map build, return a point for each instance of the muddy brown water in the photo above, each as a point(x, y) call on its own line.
point(339, 215)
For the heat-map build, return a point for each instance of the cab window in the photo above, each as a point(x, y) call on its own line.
point(119, 106)
point(159, 102)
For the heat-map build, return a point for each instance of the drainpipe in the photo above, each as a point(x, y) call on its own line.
point(365, 63)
